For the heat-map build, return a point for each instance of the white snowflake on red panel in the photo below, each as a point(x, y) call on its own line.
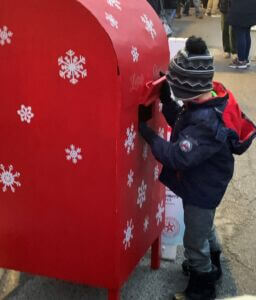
point(130, 178)
point(73, 154)
point(128, 236)
point(25, 113)
point(8, 178)
point(145, 151)
point(146, 223)
point(141, 194)
point(135, 54)
point(149, 26)
point(156, 172)
point(5, 36)
point(129, 142)
point(113, 22)
point(159, 214)
point(72, 67)
point(115, 3)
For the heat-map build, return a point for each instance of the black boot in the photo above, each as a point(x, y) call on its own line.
point(215, 258)
point(201, 286)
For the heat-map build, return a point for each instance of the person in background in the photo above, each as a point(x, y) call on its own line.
point(242, 16)
point(197, 5)
point(198, 161)
point(186, 6)
point(156, 5)
point(198, 11)
point(228, 34)
point(212, 8)
point(169, 12)
point(205, 2)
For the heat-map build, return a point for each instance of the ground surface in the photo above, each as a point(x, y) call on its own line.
point(236, 217)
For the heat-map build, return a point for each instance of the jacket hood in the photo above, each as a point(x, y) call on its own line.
point(242, 129)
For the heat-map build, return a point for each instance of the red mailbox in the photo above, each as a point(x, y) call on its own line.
point(79, 195)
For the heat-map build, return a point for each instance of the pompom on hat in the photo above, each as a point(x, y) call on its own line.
point(191, 71)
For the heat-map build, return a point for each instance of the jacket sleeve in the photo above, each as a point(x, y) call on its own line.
point(195, 144)
point(170, 111)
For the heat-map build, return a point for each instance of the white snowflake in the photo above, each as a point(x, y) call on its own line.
point(73, 154)
point(72, 67)
point(135, 54)
point(112, 20)
point(128, 234)
point(129, 142)
point(145, 151)
point(149, 26)
point(7, 178)
point(115, 3)
point(159, 214)
point(156, 172)
point(25, 113)
point(146, 224)
point(161, 132)
point(141, 194)
point(130, 178)
point(5, 36)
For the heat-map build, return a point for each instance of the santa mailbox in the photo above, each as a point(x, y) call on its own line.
point(79, 195)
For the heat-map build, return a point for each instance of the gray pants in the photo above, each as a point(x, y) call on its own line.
point(197, 5)
point(199, 237)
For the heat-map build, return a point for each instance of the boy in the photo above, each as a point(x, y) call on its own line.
point(198, 162)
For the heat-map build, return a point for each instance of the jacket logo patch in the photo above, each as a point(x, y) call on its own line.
point(185, 146)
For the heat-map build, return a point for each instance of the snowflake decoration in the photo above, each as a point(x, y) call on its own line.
point(130, 178)
point(141, 194)
point(115, 3)
point(145, 151)
point(149, 26)
point(7, 178)
point(128, 234)
point(159, 214)
point(146, 224)
point(73, 154)
point(5, 36)
point(135, 54)
point(156, 172)
point(161, 132)
point(112, 20)
point(129, 142)
point(25, 113)
point(72, 67)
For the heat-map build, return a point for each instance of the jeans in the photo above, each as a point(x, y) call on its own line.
point(186, 5)
point(200, 237)
point(169, 15)
point(243, 37)
point(228, 36)
point(197, 4)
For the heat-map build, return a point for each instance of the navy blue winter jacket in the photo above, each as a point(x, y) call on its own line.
point(198, 162)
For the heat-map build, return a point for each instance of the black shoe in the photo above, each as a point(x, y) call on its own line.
point(215, 258)
point(201, 286)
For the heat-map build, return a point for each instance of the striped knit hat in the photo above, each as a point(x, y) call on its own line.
point(191, 70)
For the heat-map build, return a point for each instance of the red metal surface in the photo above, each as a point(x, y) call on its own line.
point(85, 203)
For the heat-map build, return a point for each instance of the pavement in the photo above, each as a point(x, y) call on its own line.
point(235, 218)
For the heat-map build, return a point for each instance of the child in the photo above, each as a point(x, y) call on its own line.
point(198, 162)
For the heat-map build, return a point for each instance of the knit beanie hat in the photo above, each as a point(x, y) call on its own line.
point(191, 70)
